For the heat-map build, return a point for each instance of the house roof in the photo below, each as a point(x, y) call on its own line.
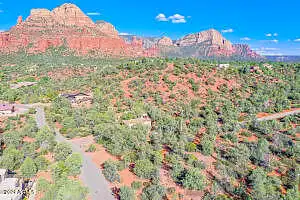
point(5, 107)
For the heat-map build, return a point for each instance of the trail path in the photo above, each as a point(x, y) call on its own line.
point(279, 115)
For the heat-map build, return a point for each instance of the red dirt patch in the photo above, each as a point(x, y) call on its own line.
point(28, 139)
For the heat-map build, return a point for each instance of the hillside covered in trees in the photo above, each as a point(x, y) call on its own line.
point(183, 128)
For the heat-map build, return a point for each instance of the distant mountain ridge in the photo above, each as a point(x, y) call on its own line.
point(68, 26)
point(209, 43)
point(284, 58)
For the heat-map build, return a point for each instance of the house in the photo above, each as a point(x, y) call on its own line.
point(6, 109)
point(22, 84)
point(143, 120)
point(10, 188)
point(77, 97)
point(223, 66)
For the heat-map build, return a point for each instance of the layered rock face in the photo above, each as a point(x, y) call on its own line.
point(212, 35)
point(245, 51)
point(68, 26)
point(211, 39)
point(107, 28)
point(209, 43)
point(165, 41)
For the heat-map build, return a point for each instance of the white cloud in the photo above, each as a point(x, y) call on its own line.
point(266, 49)
point(270, 41)
point(272, 34)
point(2, 31)
point(227, 30)
point(124, 34)
point(161, 18)
point(245, 39)
point(297, 40)
point(275, 41)
point(93, 13)
point(177, 18)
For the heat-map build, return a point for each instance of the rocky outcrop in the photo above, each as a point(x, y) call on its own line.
point(208, 43)
point(106, 28)
point(244, 50)
point(212, 36)
point(165, 41)
point(68, 26)
point(71, 15)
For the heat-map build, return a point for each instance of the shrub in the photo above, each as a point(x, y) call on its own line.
point(194, 180)
point(136, 185)
point(74, 163)
point(41, 163)
point(28, 168)
point(126, 193)
point(111, 171)
point(207, 146)
point(153, 192)
point(191, 147)
point(62, 151)
point(145, 169)
point(92, 148)
point(43, 185)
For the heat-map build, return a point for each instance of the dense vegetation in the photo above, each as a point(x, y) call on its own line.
point(24, 151)
point(198, 112)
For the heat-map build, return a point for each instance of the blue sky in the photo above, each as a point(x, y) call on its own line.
point(269, 26)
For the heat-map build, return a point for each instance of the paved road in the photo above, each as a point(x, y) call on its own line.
point(91, 175)
point(279, 115)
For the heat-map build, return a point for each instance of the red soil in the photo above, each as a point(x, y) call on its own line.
point(28, 139)
point(260, 115)
point(46, 175)
point(182, 89)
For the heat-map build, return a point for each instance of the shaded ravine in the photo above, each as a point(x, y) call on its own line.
point(91, 175)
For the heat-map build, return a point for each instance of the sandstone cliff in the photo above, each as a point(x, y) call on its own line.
point(165, 41)
point(68, 26)
point(209, 43)
point(212, 36)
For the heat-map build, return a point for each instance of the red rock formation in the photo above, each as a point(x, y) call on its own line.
point(20, 20)
point(212, 36)
point(212, 43)
point(67, 25)
point(165, 41)
point(245, 51)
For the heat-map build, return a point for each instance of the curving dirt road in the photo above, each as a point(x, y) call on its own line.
point(90, 174)
point(279, 115)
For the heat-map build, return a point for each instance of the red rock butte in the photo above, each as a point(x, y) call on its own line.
point(68, 26)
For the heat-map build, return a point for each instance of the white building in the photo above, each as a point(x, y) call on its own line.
point(10, 188)
point(223, 66)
